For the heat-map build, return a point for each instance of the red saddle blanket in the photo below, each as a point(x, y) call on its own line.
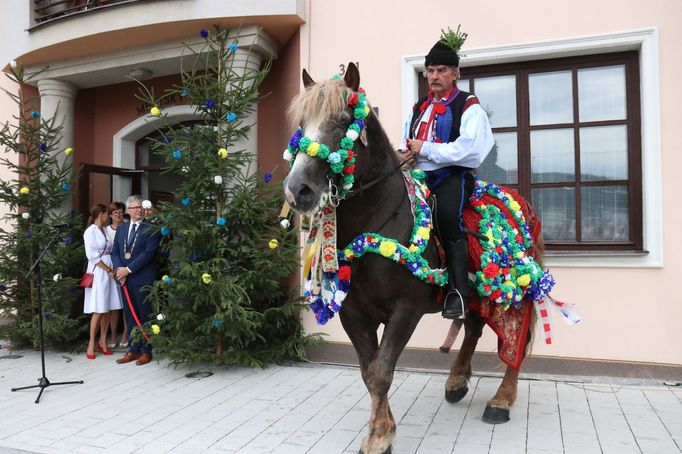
point(510, 325)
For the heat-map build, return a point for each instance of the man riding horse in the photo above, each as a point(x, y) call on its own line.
point(448, 136)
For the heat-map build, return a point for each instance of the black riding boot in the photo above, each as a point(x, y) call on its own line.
point(456, 301)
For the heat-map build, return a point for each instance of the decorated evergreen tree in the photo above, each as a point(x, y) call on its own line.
point(224, 296)
point(35, 197)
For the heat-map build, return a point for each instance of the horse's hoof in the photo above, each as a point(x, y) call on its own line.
point(456, 394)
point(495, 415)
point(388, 451)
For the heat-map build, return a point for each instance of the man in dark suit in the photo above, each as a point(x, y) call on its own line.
point(133, 256)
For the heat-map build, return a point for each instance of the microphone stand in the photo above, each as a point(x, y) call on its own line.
point(43, 382)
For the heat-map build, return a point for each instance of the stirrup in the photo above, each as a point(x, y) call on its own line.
point(461, 299)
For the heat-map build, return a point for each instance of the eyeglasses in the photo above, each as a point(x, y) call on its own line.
point(139, 207)
point(117, 213)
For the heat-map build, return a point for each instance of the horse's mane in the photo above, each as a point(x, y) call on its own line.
point(318, 102)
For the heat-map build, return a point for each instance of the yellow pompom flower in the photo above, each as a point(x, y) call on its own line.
point(515, 205)
point(490, 236)
point(366, 110)
point(413, 248)
point(222, 153)
point(155, 111)
point(156, 329)
point(313, 148)
point(68, 151)
point(423, 232)
point(519, 255)
point(387, 248)
point(24, 190)
point(206, 278)
point(523, 280)
point(349, 254)
point(273, 244)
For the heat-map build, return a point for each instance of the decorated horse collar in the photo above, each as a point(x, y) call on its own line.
point(341, 161)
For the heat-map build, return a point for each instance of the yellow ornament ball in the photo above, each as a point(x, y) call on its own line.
point(222, 153)
point(273, 244)
point(156, 329)
point(206, 278)
point(155, 111)
point(68, 151)
point(24, 190)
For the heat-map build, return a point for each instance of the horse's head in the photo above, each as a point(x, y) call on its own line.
point(329, 117)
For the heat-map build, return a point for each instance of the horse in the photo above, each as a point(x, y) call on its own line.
point(382, 291)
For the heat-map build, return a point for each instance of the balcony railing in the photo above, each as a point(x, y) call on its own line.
point(49, 10)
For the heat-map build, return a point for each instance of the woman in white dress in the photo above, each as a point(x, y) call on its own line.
point(116, 210)
point(102, 297)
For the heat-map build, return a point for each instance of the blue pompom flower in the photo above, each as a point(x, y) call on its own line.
point(233, 46)
point(221, 221)
point(186, 201)
point(165, 231)
point(43, 147)
point(267, 177)
point(231, 117)
point(177, 154)
point(209, 103)
point(203, 33)
point(35, 114)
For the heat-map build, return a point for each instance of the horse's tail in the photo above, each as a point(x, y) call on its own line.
point(538, 255)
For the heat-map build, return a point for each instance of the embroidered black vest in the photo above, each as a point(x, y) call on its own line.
point(456, 107)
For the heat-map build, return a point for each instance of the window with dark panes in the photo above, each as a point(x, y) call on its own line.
point(567, 137)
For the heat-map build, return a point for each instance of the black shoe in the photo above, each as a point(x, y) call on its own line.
point(455, 307)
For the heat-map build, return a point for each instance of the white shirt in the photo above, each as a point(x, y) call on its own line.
point(469, 150)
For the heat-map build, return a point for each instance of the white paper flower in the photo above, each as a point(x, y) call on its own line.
point(218, 179)
point(185, 169)
point(284, 223)
point(352, 134)
point(287, 155)
point(25, 215)
point(160, 317)
point(146, 204)
point(339, 296)
point(57, 277)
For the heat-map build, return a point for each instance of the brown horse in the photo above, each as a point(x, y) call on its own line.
point(382, 291)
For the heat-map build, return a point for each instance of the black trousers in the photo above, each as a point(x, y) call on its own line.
point(452, 187)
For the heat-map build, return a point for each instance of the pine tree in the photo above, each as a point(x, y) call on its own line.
point(42, 183)
point(224, 297)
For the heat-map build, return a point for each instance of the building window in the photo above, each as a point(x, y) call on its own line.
point(567, 137)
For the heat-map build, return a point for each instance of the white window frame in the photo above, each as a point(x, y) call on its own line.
point(645, 41)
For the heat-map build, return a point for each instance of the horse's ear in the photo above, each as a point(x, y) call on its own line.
point(307, 80)
point(352, 77)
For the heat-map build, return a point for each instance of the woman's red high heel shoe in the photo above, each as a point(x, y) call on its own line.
point(93, 356)
point(104, 352)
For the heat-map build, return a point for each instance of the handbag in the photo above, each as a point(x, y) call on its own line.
point(86, 280)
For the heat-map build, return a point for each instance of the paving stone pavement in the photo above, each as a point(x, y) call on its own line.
point(316, 408)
